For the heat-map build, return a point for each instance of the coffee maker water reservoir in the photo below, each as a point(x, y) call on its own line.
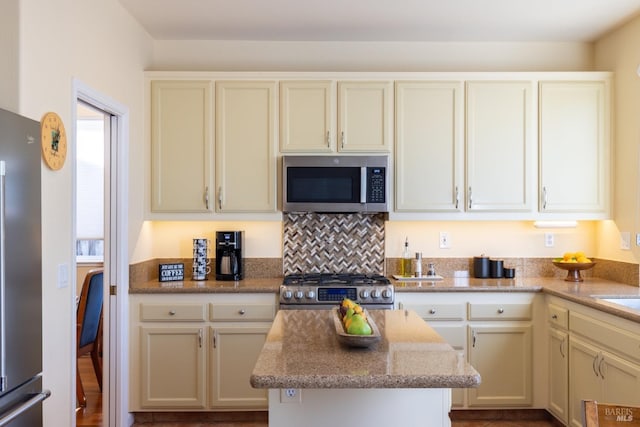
point(229, 255)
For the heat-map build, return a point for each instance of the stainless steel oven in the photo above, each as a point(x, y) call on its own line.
point(319, 291)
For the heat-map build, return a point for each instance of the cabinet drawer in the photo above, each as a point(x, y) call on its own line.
point(438, 311)
point(499, 311)
point(173, 312)
point(245, 312)
point(605, 334)
point(558, 316)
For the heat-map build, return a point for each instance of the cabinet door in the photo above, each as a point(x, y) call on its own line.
point(172, 368)
point(620, 379)
point(429, 146)
point(181, 146)
point(559, 373)
point(502, 356)
point(574, 146)
point(364, 116)
point(235, 352)
point(500, 149)
point(307, 116)
point(245, 151)
point(584, 378)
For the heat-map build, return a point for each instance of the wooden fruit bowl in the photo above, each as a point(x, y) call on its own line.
point(573, 269)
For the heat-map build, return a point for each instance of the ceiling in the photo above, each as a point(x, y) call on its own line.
point(382, 20)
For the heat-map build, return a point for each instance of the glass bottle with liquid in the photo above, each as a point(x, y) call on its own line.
point(406, 260)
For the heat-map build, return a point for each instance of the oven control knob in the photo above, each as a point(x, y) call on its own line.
point(311, 294)
point(364, 294)
point(299, 294)
point(386, 293)
point(287, 295)
point(375, 293)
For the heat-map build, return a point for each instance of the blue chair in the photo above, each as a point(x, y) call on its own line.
point(89, 328)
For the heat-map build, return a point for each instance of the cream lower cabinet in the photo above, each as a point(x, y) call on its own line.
point(234, 353)
point(172, 361)
point(495, 333)
point(502, 356)
point(558, 340)
point(196, 353)
point(604, 362)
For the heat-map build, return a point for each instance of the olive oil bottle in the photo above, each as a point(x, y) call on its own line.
point(405, 261)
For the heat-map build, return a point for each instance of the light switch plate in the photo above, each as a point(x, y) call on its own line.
point(63, 275)
point(625, 240)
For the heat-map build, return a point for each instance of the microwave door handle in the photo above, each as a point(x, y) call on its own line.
point(363, 184)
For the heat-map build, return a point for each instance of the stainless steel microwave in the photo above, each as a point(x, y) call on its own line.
point(335, 183)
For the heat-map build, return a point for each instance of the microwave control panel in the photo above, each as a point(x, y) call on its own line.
point(376, 190)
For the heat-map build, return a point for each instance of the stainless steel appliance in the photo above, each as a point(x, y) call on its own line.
point(335, 184)
point(229, 246)
point(317, 291)
point(21, 391)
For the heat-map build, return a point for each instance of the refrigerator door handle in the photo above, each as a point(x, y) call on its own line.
point(18, 410)
point(3, 345)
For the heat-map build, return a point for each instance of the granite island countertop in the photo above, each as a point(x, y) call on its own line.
point(302, 351)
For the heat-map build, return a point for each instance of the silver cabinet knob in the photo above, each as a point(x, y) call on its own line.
point(172, 312)
point(500, 310)
point(432, 311)
point(241, 311)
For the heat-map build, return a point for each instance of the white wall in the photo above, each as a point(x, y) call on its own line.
point(98, 43)
point(9, 49)
point(203, 55)
point(620, 52)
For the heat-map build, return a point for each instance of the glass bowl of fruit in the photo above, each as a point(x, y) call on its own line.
point(573, 263)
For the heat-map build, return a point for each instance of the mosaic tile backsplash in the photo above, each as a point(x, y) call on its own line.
point(336, 243)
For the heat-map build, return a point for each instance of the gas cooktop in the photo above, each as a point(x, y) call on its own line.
point(328, 279)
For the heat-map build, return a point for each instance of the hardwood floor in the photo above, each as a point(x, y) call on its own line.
point(91, 416)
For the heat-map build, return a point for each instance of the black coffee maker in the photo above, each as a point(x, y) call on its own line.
point(229, 255)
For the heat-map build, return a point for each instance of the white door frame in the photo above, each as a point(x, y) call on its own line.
point(115, 404)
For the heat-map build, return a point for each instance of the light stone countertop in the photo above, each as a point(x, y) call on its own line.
point(302, 351)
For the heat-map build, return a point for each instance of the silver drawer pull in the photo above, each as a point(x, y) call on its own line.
point(432, 311)
point(500, 310)
point(172, 312)
point(554, 317)
point(241, 311)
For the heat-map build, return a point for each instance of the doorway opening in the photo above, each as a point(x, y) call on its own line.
point(114, 249)
point(93, 132)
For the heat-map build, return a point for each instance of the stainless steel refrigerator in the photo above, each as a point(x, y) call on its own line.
point(21, 392)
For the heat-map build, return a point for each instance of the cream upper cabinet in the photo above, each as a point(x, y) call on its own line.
point(365, 118)
point(574, 146)
point(307, 116)
point(181, 146)
point(429, 146)
point(246, 129)
point(499, 146)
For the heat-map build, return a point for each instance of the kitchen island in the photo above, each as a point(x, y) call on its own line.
point(405, 379)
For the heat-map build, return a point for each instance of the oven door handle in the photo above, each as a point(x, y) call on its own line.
point(363, 184)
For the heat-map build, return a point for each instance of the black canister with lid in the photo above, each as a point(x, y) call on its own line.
point(481, 267)
point(496, 267)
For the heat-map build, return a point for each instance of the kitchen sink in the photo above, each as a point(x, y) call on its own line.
point(629, 301)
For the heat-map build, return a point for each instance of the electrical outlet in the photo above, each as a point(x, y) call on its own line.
point(290, 395)
point(549, 240)
point(445, 242)
point(625, 240)
point(637, 239)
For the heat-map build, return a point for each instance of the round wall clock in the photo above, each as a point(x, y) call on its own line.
point(54, 140)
